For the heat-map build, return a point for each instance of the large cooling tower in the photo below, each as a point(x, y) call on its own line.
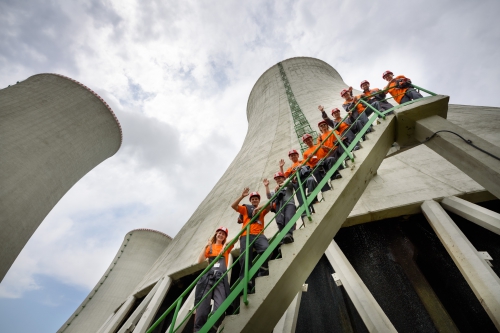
point(288, 91)
point(138, 252)
point(53, 130)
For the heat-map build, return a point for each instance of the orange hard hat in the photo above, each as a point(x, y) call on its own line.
point(278, 174)
point(293, 151)
point(322, 122)
point(223, 229)
point(363, 82)
point(254, 194)
point(306, 136)
point(335, 110)
point(387, 72)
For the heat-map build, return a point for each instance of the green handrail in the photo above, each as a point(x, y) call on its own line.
point(237, 288)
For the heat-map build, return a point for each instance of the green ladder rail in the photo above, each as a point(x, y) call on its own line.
point(301, 125)
point(240, 288)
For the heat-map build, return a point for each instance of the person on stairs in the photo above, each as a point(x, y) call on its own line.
point(400, 88)
point(214, 247)
point(284, 203)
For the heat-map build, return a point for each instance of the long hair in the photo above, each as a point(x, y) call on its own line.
point(214, 239)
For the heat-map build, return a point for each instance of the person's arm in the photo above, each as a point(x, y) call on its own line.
point(266, 185)
point(282, 164)
point(201, 257)
point(235, 204)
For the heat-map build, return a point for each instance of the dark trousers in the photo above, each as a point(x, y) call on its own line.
point(310, 185)
point(260, 245)
point(218, 295)
point(285, 216)
point(410, 95)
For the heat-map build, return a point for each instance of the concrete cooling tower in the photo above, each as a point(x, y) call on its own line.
point(53, 130)
point(412, 268)
point(138, 252)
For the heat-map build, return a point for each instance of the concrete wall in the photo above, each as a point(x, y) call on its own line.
point(136, 255)
point(53, 130)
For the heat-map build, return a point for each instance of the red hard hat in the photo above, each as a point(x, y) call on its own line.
point(278, 174)
point(223, 229)
point(293, 151)
point(363, 82)
point(306, 136)
point(254, 194)
point(387, 72)
point(322, 122)
point(335, 110)
point(343, 92)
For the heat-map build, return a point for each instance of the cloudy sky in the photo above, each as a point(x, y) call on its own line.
point(178, 75)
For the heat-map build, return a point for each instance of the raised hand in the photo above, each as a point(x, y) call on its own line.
point(282, 163)
point(265, 182)
point(321, 108)
point(246, 192)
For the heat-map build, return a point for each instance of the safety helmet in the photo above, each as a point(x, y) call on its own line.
point(222, 229)
point(343, 92)
point(387, 72)
point(306, 136)
point(254, 194)
point(363, 82)
point(293, 151)
point(278, 174)
point(322, 122)
point(335, 110)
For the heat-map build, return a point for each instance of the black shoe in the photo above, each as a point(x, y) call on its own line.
point(263, 271)
point(288, 239)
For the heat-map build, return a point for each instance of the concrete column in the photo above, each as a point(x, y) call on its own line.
point(370, 311)
point(129, 325)
point(288, 321)
point(112, 324)
point(147, 318)
point(483, 281)
point(474, 213)
point(481, 167)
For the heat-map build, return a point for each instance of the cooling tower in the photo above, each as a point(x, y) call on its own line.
point(288, 91)
point(138, 252)
point(53, 130)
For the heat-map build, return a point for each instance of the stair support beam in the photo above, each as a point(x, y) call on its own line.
point(481, 278)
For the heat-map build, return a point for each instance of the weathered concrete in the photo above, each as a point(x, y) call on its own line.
point(481, 167)
point(474, 213)
point(288, 321)
point(147, 317)
point(134, 318)
point(53, 130)
point(370, 311)
point(483, 281)
point(111, 325)
point(138, 252)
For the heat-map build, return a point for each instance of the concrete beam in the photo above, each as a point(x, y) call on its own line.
point(129, 325)
point(370, 311)
point(481, 167)
point(288, 321)
point(474, 213)
point(483, 281)
point(418, 109)
point(183, 312)
point(112, 325)
point(147, 317)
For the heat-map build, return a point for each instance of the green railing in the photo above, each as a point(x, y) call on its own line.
point(239, 288)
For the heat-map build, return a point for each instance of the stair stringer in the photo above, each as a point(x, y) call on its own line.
point(275, 292)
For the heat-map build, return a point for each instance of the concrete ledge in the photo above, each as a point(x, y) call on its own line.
point(474, 213)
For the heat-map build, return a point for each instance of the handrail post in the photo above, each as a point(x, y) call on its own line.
point(373, 109)
point(304, 199)
point(247, 251)
point(176, 312)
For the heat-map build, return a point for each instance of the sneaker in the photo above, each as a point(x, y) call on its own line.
point(338, 176)
point(288, 239)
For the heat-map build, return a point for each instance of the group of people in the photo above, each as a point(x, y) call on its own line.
point(317, 160)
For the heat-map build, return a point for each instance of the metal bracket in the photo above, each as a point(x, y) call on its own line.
point(304, 287)
point(485, 256)
point(336, 278)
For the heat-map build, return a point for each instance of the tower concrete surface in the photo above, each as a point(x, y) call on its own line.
point(402, 183)
point(53, 130)
point(139, 250)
